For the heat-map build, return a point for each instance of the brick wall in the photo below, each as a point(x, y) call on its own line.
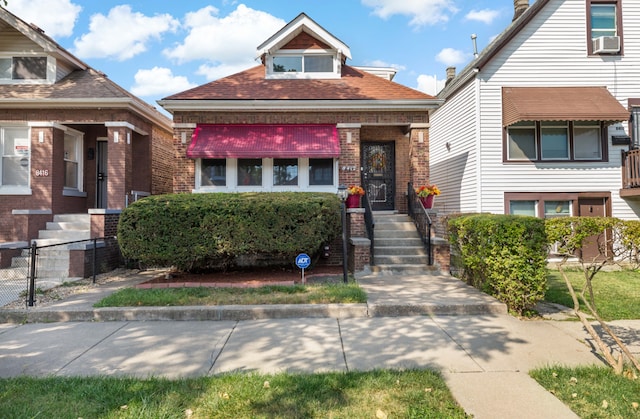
point(47, 157)
point(162, 161)
point(349, 162)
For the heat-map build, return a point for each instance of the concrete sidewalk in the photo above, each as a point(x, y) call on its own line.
point(483, 353)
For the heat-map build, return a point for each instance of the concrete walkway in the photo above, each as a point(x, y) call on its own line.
point(483, 353)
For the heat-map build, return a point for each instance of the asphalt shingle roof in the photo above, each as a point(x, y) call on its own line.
point(251, 84)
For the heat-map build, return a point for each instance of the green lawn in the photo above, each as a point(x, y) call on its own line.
point(396, 394)
point(592, 392)
point(280, 294)
point(617, 293)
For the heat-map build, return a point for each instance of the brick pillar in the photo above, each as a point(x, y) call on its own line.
point(184, 169)
point(119, 164)
point(349, 162)
point(441, 254)
point(419, 154)
point(359, 244)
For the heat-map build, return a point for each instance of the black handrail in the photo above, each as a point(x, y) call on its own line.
point(421, 219)
point(369, 224)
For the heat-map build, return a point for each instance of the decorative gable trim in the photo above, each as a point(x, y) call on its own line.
point(302, 23)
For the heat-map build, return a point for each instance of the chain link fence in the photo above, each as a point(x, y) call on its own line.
point(24, 271)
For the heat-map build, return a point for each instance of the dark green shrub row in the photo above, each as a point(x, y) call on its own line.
point(201, 231)
point(503, 255)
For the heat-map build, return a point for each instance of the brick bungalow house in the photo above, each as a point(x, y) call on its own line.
point(302, 120)
point(72, 141)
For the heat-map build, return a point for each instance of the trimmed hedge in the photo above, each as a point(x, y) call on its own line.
point(503, 255)
point(201, 231)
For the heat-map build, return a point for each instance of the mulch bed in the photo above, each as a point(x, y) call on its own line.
point(246, 278)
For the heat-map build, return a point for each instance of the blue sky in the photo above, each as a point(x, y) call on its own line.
point(155, 48)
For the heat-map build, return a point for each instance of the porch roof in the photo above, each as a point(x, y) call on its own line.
point(560, 104)
point(258, 141)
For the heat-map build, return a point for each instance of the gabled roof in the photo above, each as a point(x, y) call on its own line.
point(37, 36)
point(492, 49)
point(85, 87)
point(302, 23)
point(250, 89)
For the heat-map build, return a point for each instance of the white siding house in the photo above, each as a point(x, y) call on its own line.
point(539, 123)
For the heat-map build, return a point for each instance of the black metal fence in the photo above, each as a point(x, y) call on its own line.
point(421, 219)
point(36, 267)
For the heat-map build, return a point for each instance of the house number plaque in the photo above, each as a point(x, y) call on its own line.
point(42, 172)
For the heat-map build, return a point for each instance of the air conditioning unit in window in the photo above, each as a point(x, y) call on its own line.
point(606, 45)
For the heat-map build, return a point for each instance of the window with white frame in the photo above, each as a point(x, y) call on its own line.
point(603, 19)
point(23, 68)
point(213, 172)
point(72, 161)
point(544, 207)
point(15, 144)
point(285, 172)
point(555, 209)
point(555, 141)
point(523, 208)
point(289, 174)
point(302, 63)
point(320, 171)
point(249, 172)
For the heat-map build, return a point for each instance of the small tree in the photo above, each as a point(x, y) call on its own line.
point(615, 240)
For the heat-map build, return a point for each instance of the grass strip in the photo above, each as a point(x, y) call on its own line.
point(381, 393)
point(616, 292)
point(592, 392)
point(207, 296)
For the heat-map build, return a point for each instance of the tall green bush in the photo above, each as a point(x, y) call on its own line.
point(503, 255)
point(202, 231)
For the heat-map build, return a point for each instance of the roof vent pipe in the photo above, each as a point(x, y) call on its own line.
point(519, 7)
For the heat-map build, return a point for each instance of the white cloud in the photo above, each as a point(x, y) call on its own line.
point(422, 12)
point(217, 71)
point(231, 39)
point(56, 17)
point(122, 34)
point(485, 16)
point(430, 85)
point(159, 82)
point(380, 63)
point(450, 56)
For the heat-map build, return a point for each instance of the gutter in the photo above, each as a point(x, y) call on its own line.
point(147, 111)
point(298, 105)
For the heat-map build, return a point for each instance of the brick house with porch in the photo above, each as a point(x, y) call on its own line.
point(72, 141)
point(303, 120)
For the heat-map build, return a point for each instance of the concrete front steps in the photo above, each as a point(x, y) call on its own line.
point(53, 262)
point(398, 248)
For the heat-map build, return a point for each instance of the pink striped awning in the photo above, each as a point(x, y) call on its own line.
point(259, 141)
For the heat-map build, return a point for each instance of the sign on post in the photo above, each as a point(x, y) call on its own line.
point(303, 261)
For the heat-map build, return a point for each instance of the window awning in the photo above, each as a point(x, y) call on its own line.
point(259, 141)
point(560, 104)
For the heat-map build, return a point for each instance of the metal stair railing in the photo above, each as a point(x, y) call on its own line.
point(421, 219)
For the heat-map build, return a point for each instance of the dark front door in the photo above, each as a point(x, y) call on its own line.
point(101, 175)
point(378, 174)
point(592, 207)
